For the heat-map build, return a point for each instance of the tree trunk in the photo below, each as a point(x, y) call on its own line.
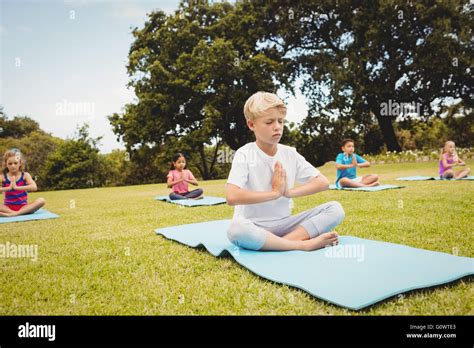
point(205, 169)
point(386, 127)
point(214, 158)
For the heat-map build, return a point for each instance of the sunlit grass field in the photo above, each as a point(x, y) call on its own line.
point(102, 256)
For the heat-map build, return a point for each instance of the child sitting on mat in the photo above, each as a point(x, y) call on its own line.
point(261, 185)
point(16, 184)
point(178, 179)
point(346, 164)
point(448, 159)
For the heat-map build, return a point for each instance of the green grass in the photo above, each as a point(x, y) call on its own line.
point(102, 257)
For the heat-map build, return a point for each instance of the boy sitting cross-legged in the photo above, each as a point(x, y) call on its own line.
point(346, 164)
point(261, 184)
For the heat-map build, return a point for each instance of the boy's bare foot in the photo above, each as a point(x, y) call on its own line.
point(374, 184)
point(329, 238)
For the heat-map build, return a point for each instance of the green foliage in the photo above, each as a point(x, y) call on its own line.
point(192, 72)
point(144, 166)
point(35, 148)
point(433, 133)
point(119, 168)
point(416, 155)
point(76, 163)
point(18, 127)
point(354, 56)
point(35, 145)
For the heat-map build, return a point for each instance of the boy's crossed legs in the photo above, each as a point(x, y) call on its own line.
point(366, 180)
point(309, 230)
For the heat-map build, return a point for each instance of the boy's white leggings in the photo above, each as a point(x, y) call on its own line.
point(251, 235)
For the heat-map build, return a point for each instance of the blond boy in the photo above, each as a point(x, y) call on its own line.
point(261, 185)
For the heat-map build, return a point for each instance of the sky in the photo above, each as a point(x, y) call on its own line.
point(63, 62)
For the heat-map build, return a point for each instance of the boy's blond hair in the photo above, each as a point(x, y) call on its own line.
point(260, 102)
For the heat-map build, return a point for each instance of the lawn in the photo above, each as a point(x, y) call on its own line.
point(102, 256)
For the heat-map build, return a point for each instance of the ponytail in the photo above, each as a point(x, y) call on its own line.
point(175, 158)
point(441, 154)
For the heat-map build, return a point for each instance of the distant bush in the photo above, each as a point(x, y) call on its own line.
point(76, 163)
point(416, 155)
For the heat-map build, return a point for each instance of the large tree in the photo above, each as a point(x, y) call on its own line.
point(192, 72)
point(17, 127)
point(361, 59)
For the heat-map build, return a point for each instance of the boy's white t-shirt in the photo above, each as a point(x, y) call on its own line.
point(252, 169)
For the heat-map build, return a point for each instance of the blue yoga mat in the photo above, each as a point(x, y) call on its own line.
point(206, 200)
point(40, 214)
point(369, 189)
point(355, 274)
point(421, 178)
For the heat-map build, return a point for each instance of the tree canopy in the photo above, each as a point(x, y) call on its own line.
point(362, 65)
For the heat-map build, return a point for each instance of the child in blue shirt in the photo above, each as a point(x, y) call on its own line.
point(347, 163)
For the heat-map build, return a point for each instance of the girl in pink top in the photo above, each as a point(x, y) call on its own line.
point(178, 179)
point(448, 160)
